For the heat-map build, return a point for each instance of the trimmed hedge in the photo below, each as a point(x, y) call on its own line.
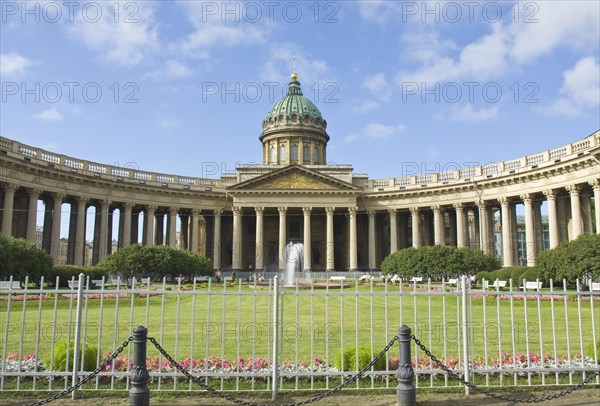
point(20, 258)
point(68, 272)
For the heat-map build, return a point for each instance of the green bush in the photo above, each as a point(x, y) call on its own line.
point(20, 258)
point(364, 357)
point(590, 350)
point(60, 357)
point(484, 275)
point(155, 261)
point(531, 275)
point(437, 262)
point(571, 260)
point(67, 272)
point(517, 273)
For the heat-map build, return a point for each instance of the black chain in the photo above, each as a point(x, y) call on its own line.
point(244, 403)
point(495, 395)
point(87, 378)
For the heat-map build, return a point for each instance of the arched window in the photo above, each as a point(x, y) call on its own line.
point(272, 155)
point(294, 153)
point(306, 153)
point(316, 155)
point(282, 156)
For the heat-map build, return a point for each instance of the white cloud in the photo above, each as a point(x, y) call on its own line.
point(509, 45)
point(313, 72)
point(468, 114)
point(378, 131)
point(125, 42)
point(13, 65)
point(172, 69)
point(580, 90)
point(50, 115)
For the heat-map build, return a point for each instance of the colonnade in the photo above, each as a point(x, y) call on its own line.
point(464, 224)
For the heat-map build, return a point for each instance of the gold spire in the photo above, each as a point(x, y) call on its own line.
point(294, 74)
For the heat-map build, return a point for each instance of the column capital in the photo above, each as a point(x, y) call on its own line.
point(151, 208)
point(259, 210)
point(482, 204)
point(329, 210)
point(550, 194)
point(195, 212)
point(371, 213)
point(352, 210)
point(436, 207)
point(573, 189)
point(306, 210)
point(218, 212)
point(526, 197)
point(80, 199)
point(282, 210)
point(414, 210)
point(201, 219)
point(59, 196)
point(458, 206)
point(236, 210)
point(10, 187)
point(128, 205)
point(173, 210)
point(33, 192)
point(392, 212)
point(595, 184)
point(505, 201)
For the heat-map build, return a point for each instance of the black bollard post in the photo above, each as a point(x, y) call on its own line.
point(405, 391)
point(139, 394)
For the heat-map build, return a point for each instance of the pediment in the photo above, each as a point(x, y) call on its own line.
point(293, 177)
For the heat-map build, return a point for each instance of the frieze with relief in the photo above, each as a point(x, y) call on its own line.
point(296, 181)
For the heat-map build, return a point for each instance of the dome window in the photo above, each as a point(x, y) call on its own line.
point(294, 152)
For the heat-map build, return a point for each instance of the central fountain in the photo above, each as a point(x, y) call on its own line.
point(294, 255)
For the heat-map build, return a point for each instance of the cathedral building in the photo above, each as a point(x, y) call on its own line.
point(344, 221)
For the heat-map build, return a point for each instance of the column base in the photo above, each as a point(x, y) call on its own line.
point(330, 270)
point(352, 269)
point(307, 270)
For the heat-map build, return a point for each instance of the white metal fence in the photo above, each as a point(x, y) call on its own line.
point(224, 333)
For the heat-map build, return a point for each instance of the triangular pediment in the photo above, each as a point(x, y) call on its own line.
point(293, 177)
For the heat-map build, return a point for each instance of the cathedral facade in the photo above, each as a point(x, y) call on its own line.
point(344, 221)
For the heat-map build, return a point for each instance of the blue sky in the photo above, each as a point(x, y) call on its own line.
point(186, 84)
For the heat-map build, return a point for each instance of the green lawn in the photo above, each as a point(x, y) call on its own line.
point(313, 324)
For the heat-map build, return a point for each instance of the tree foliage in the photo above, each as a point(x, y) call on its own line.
point(438, 261)
point(155, 261)
point(571, 260)
point(20, 258)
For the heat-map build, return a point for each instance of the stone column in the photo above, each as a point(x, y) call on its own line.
point(80, 231)
point(173, 226)
point(552, 218)
point(393, 230)
point(217, 240)
point(56, 218)
point(460, 225)
point(150, 211)
point(9, 201)
point(537, 223)
point(202, 235)
point(353, 249)
point(586, 215)
point(596, 185)
point(307, 240)
point(185, 231)
point(127, 207)
point(103, 230)
point(260, 249)
point(452, 228)
point(416, 234)
point(330, 264)
point(529, 230)
point(193, 226)
point(507, 246)
point(372, 238)
point(484, 243)
point(34, 194)
point(438, 225)
point(575, 211)
point(282, 237)
point(236, 260)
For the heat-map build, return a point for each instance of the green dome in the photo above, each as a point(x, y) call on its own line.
point(294, 103)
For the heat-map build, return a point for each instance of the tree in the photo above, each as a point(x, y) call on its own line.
point(20, 258)
point(438, 261)
point(571, 260)
point(155, 261)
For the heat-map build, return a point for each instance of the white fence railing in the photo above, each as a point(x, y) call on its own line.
point(223, 333)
